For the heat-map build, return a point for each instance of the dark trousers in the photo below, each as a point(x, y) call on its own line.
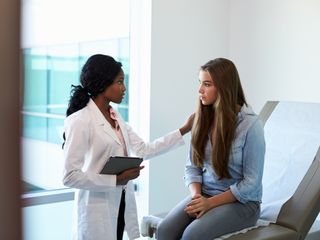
point(121, 223)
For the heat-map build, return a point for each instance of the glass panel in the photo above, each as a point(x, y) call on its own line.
point(55, 130)
point(64, 70)
point(35, 80)
point(34, 127)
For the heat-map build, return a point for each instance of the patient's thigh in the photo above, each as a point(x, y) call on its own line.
point(222, 220)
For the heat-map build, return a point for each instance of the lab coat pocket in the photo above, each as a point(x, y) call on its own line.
point(95, 221)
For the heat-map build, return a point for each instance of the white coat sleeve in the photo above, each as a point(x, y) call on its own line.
point(158, 146)
point(75, 149)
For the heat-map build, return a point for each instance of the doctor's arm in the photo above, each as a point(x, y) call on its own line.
point(125, 176)
point(160, 145)
point(75, 149)
point(187, 126)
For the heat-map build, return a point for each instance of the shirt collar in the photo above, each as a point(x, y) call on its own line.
point(244, 111)
point(113, 116)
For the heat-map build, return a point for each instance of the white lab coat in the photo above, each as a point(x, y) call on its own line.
point(90, 141)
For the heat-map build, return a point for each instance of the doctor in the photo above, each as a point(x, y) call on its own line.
point(104, 204)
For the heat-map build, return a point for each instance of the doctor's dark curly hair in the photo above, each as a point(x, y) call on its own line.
point(97, 74)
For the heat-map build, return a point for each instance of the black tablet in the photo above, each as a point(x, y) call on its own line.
point(117, 164)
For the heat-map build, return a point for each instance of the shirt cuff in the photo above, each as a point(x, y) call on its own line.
point(178, 135)
point(236, 193)
point(110, 179)
point(193, 179)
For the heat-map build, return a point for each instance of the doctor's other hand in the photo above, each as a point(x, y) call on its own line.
point(129, 174)
point(188, 125)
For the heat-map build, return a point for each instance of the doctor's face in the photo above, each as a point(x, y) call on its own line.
point(207, 91)
point(115, 92)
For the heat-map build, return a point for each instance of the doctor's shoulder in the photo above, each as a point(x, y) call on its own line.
point(80, 118)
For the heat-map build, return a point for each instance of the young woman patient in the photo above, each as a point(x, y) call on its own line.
point(225, 166)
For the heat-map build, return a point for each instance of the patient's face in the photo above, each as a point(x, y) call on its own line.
point(207, 90)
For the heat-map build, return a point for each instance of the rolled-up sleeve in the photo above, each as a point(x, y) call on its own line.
point(250, 187)
point(192, 173)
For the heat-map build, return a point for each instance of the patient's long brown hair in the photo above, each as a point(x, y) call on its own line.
point(221, 116)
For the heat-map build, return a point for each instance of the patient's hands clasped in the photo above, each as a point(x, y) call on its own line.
point(198, 206)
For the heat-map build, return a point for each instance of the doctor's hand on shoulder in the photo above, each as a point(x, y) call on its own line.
point(187, 125)
point(129, 174)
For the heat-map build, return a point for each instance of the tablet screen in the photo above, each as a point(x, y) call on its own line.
point(117, 164)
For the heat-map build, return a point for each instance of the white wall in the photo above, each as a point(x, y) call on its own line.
point(275, 45)
point(185, 34)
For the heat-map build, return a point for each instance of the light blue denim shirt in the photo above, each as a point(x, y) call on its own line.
point(245, 163)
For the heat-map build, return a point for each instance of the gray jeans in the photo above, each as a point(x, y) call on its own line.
point(214, 223)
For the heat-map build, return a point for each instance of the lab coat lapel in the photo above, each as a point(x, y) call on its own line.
point(102, 122)
point(108, 129)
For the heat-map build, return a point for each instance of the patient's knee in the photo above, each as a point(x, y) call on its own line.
point(165, 231)
point(188, 234)
point(162, 230)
